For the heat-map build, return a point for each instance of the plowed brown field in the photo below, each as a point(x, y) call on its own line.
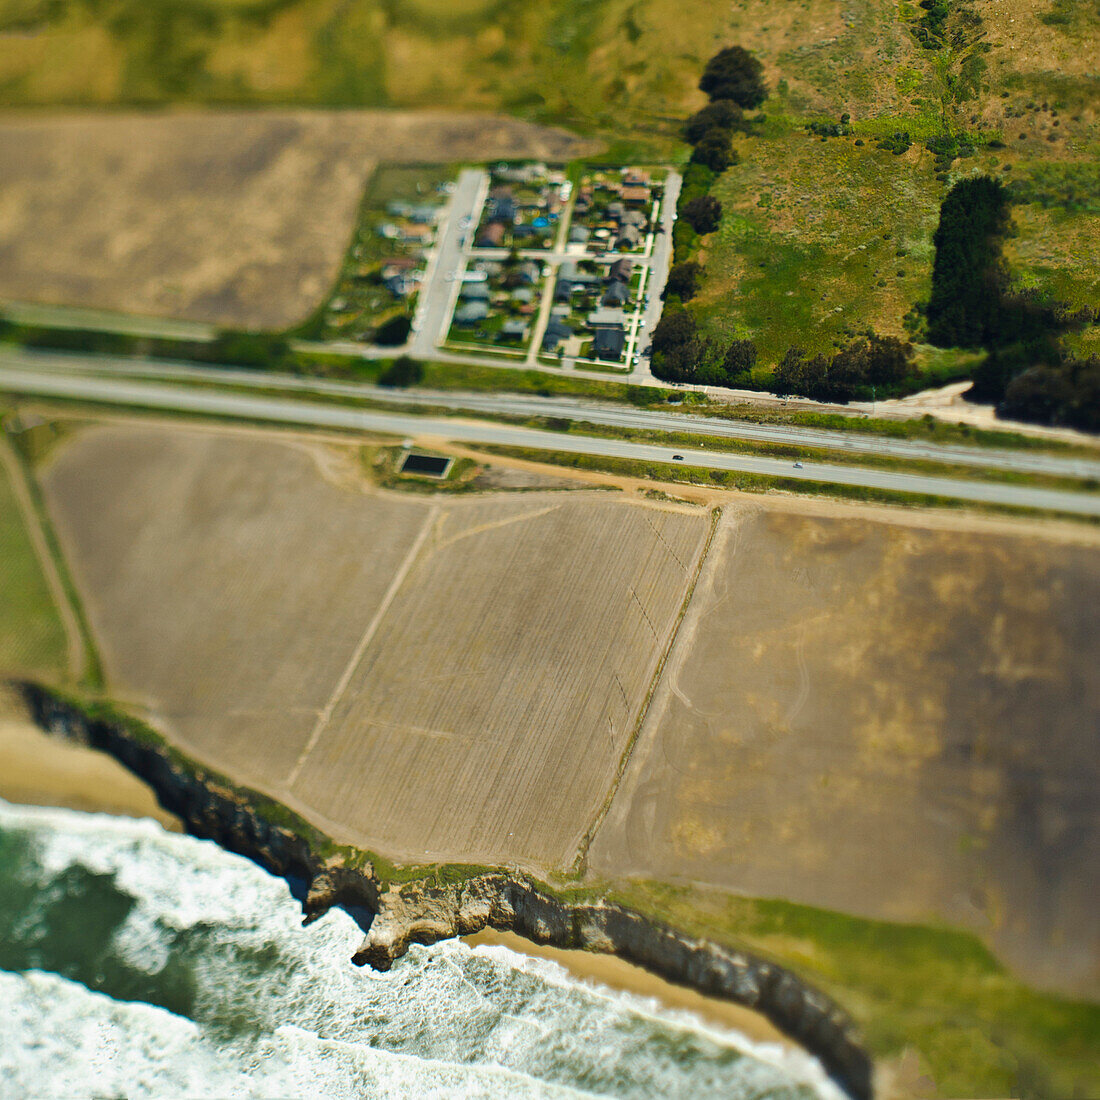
point(237, 218)
point(450, 678)
point(887, 719)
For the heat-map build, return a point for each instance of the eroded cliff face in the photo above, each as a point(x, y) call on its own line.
point(425, 911)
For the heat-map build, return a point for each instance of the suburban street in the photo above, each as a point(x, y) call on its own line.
point(589, 412)
point(178, 398)
point(438, 293)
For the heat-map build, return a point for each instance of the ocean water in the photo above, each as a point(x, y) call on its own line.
point(140, 963)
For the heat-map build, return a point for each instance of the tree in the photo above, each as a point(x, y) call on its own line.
point(739, 359)
point(722, 114)
point(715, 151)
point(404, 371)
point(681, 280)
point(969, 276)
point(733, 73)
point(675, 329)
point(703, 213)
point(394, 332)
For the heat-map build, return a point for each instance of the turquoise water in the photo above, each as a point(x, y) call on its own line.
point(140, 963)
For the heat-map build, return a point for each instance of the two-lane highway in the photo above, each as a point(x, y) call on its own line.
point(180, 398)
point(582, 411)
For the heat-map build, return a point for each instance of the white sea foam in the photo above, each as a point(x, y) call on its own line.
point(262, 1007)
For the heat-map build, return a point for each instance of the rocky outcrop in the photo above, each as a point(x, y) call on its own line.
point(419, 912)
point(424, 911)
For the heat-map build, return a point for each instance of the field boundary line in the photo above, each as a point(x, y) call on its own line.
point(360, 649)
point(32, 521)
point(580, 862)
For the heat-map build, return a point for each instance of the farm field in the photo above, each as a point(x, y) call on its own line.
point(888, 717)
point(489, 714)
point(241, 219)
point(227, 581)
point(443, 677)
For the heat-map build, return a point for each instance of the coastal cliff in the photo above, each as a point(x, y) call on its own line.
point(426, 910)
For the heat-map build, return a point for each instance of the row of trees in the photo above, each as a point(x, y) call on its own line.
point(870, 364)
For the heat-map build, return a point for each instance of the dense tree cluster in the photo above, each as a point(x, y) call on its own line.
point(703, 213)
point(867, 364)
point(680, 354)
point(715, 151)
point(734, 74)
point(682, 280)
point(1065, 391)
point(722, 114)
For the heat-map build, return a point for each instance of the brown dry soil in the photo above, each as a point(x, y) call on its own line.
point(892, 719)
point(451, 678)
point(239, 218)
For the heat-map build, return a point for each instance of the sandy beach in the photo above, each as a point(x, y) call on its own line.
point(45, 771)
point(38, 769)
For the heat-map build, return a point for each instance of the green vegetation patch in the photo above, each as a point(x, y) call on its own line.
point(819, 240)
point(32, 638)
point(979, 1031)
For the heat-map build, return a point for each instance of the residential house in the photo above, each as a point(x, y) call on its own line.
point(474, 292)
point(492, 236)
point(608, 343)
point(528, 272)
point(490, 268)
point(579, 234)
point(524, 296)
point(514, 330)
point(418, 234)
point(634, 217)
point(501, 206)
point(470, 313)
point(635, 177)
point(615, 211)
point(563, 290)
point(570, 272)
point(628, 237)
point(621, 270)
point(635, 196)
point(606, 318)
point(556, 331)
point(616, 295)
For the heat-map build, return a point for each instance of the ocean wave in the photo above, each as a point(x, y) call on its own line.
point(192, 966)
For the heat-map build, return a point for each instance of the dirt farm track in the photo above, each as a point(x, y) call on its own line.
point(887, 712)
point(236, 218)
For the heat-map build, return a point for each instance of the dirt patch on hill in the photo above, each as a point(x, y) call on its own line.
point(239, 218)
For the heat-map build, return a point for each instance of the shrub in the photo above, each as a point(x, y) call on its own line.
point(403, 372)
point(733, 73)
point(394, 332)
